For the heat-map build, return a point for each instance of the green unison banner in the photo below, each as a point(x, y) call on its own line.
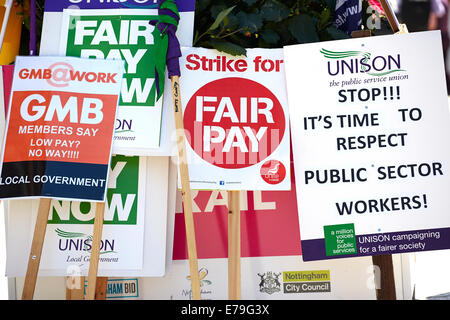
point(123, 34)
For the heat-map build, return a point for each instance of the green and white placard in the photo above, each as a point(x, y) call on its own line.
point(123, 34)
point(70, 225)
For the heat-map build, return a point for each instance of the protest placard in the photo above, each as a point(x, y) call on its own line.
point(59, 128)
point(69, 229)
point(263, 213)
point(121, 30)
point(138, 220)
point(236, 119)
point(370, 125)
point(3, 104)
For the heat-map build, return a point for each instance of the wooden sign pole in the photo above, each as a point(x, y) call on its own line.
point(390, 15)
point(75, 287)
point(95, 251)
point(186, 189)
point(386, 286)
point(101, 288)
point(34, 258)
point(234, 245)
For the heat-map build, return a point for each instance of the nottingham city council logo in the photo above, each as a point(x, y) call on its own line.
point(269, 282)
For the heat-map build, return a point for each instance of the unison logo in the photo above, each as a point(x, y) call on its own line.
point(123, 125)
point(351, 62)
point(78, 241)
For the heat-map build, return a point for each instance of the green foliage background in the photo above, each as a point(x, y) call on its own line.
point(233, 25)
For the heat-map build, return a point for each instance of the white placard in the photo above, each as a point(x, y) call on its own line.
point(370, 130)
point(236, 119)
point(68, 238)
point(149, 248)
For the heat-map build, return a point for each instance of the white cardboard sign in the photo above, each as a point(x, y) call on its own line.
point(236, 119)
point(147, 238)
point(370, 130)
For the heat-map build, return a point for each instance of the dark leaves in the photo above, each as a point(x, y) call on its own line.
point(231, 25)
point(228, 47)
point(251, 22)
point(270, 36)
point(303, 29)
point(274, 11)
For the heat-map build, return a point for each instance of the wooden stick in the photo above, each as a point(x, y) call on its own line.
point(386, 290)
point(234, 246)
point(390, 15)
point(361, 33)
point(75, 287)
point(101, 288)
point(36, 249)
point(185, 189)
point(95, 251)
